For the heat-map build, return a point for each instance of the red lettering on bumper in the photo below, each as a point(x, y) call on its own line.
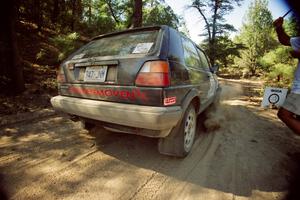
point(123, 94)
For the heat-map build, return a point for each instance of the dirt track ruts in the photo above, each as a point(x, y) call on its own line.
point(246, 158)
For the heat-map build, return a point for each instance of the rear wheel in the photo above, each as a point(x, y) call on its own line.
point(87, 125)
point(189, 130)
point(181, 139)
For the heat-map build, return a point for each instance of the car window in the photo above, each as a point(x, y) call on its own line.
point(191, 57)
point(120, 45)
point(203, 59)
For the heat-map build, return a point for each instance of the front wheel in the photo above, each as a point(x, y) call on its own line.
point(181, 139)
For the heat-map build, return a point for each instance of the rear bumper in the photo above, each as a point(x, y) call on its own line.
point(161, 119)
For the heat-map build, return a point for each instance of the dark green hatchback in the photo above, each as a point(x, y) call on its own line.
point(150, 81)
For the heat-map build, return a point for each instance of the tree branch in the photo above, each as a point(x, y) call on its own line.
point(108, 2)
point(205, 20)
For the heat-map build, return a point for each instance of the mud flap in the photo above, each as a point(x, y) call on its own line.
point(170, 144)
point(174, 143)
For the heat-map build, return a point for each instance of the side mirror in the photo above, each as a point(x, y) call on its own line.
point(215, 68)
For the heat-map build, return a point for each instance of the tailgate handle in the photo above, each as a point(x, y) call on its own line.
point(91, 63)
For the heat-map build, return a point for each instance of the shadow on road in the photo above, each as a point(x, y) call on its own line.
point(235, 159)
point(55, 158)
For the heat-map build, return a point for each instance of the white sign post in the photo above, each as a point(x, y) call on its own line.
point(274, 96)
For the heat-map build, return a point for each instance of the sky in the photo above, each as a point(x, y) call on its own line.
point(195, 24)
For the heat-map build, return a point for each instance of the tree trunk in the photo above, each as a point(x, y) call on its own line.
point(72, 25)
point(137, 14)
point(225, 63)
point(79, 10)
point(216, 7)
point(278, 78)
point(62, 6)
point(37, 14)
point(90, 12)
point(253, 68)
point(214, 28)
point(112, 11)
point(11, 70)
point(62, 13)
point(76, 13)
point(55, 12)
point(205, 20)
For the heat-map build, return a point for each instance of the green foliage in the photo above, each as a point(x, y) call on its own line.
point(94, 17)
point(224, 50)
point(159, 14)
point(213, 12)
point(291, 27)
point(68, 20)
point(280, 75)
point(279, 67)
point(49, 84)
point(279, 55)
point(264, 55)
point(41, 54)
point(66, 44)
point(98, 17)
point(256, 35)
point(284, 70)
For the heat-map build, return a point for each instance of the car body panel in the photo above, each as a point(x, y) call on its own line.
point(187, 83)
point(112, 93)
point(146, 117)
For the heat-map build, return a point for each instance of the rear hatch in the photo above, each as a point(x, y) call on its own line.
point(107, 67)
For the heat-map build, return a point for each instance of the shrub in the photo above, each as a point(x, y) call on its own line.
point(281, 75)
point(66, 44)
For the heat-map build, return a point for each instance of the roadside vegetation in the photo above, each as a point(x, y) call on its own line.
point(37, 35)
point(260, 55)
point(43, 33)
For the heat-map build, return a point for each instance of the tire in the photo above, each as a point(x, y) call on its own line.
point(87, 125)
point(189, 129)
point(181, 139)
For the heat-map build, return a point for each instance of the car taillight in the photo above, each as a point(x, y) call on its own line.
point(154, 73)
point(60, 75)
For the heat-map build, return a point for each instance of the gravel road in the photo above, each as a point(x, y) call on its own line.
point(243, 153)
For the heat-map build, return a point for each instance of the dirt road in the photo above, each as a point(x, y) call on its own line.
point(51, 157)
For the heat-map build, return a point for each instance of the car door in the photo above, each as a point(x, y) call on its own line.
point(212, 78)
point(198, 75)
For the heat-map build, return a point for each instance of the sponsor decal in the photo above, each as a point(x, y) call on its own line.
point(122, 94)
point(169, 101)
point(142, 47)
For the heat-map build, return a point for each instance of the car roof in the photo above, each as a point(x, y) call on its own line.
point(144, 28)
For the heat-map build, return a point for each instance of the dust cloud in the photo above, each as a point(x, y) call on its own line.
point(218, 112)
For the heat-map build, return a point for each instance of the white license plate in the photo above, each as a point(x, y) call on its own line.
point(95, 74)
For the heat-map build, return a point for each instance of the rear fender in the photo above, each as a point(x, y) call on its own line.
point(192, 95)
point(170, 144)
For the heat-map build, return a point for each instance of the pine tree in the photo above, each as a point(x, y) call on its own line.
point(256, 35)
point(213, 12)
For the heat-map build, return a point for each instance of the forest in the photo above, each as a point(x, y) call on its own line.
point(38, 35)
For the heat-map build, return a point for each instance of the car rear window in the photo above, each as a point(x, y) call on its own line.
point(120, 45)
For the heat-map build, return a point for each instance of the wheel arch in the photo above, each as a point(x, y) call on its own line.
point(192, 97)
point(173, 143)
